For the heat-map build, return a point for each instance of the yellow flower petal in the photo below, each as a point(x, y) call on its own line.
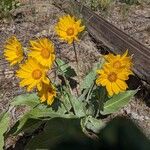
point(42, 51)
point(13, 51)
point(47, 93)
point(32, 74)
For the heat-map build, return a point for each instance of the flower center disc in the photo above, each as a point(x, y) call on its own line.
point(70, 31)
point(117, 64)
point(45, 53)
point(112, 77)
point(37, 74)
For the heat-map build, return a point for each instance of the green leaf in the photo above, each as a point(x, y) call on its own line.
point(26, 99)
point(88, 80)
point(37, 115)
point(91, 76)
point(56, 131)
point(66, 100)
point(25, 124)
point(79, 106)
point(62, 65)
point(117, 102)
point(47, 113)
point(65, 68)
point(4, 124)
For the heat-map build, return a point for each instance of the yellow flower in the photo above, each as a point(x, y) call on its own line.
point(118, 61)
point(113, 80)
point(43, 51)
point(47, 93)
point(32, 75)
point(68, 28)
point(13, 51)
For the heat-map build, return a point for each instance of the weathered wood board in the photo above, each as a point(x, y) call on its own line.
point(114, 38)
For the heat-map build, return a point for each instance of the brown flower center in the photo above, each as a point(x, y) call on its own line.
point(37, 74)
point(70, 31)
point(112, 77)
point(50, 90)
point(45, 53)
point(117, 64)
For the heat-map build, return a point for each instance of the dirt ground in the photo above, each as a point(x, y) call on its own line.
point(36, 18)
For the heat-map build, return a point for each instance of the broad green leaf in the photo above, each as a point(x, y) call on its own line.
point(66, 100)
point(25, 124)
point(65, 68)
point(62, 65)
point(4, 124)
point(79, 106)
point(47, 113)
point(100, 94)
point(56, 131)
point(91, 76)
point(117, 102)
point(37, 115)
point(82, 97)
point(88, 80)
point(26, 99)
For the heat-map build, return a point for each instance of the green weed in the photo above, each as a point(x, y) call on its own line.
point(130, 2)
point(6, 6)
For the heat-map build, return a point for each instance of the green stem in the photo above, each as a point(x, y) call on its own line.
point(98, 110)
point(89, 92)
point(77, 62)
point(76, 56)
point(36, 106)
point(63, 101)
point(66, 81)
point(68, 86)
point(65, 107)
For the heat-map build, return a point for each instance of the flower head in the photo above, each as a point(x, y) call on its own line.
point(118, 61)
point(13, 51)
point(113, 79)
point(43, 51)
point(47, 93)
point(32, 75)
point(68, 28)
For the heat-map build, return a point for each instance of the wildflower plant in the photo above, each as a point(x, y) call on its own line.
point(51, 102)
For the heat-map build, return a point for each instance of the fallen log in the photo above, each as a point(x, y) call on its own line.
point(115, 39)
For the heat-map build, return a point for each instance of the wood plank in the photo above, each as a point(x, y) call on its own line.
point(115, 39)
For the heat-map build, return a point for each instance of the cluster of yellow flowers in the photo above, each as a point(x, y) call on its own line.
point(115, 72)
point(40, 58)
point(33, 72)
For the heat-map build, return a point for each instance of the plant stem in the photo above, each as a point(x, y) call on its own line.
point(76, 56)
point(77, 62)
point(66, 81)
point(63, 101)
point(65, 107)
point(68, 86)
point(89, 92)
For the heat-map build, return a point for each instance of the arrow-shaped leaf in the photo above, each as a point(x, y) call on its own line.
point(117, 102)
